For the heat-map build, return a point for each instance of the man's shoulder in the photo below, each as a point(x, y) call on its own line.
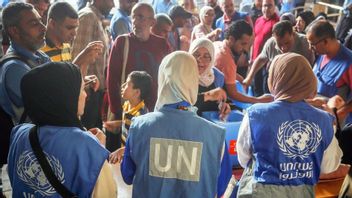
point(301, 38)
point(220, 48)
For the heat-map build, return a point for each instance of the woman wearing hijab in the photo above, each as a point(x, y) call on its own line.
point(204, 29)
point(54, 98)
point(172, 152)
point(210, 78)
point(285, 145)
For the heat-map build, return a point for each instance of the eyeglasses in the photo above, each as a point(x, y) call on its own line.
point(316, 43)
point(205, 57)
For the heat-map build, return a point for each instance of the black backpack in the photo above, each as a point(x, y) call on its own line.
point(6, 123)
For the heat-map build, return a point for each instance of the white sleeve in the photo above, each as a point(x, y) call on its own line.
point(244, 143)
point(332, 157)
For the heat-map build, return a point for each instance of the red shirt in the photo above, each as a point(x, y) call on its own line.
point(262, 32)
point(142, 56)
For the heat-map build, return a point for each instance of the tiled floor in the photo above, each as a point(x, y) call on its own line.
point(124, 191)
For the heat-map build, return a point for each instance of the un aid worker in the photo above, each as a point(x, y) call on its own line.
point(172, 152)
point(285, 145)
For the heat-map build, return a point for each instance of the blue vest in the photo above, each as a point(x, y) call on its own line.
point(75, 156)
point(219, 80)
point(289, 149)
point(176, 153)
point(221, 24)
point(329, 75)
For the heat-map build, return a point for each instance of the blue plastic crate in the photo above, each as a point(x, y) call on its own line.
point(232, 126)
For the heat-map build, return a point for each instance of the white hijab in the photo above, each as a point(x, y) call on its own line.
point(177, 80)
point(207, 77)
point(203, 11)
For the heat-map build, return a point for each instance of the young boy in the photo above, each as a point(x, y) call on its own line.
point(134, 91)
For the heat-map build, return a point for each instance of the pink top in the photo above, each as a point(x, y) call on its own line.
point(262, 32)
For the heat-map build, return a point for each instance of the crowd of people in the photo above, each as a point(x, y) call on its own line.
point(83, 89)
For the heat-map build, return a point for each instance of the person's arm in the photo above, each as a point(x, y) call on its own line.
point(16, 71)
point(244, 142)
point(256, 66)
point(113, 79)
point(344, 85)
point(234, 94)
point(88, 55)
point(331, 157)
point(248, 19)
point(105, 185)
point(213, 35)
point(128, 167)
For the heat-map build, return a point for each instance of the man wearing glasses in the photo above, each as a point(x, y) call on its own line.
point(333, 65)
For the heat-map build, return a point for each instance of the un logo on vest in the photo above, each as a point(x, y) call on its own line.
point(298, 138)
point(31, 173)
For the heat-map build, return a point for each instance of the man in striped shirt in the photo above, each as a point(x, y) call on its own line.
point(61, 30)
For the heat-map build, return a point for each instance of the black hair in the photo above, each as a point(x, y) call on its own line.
point(12, 14)
point(143, 81)
point(322, 28)
point(238, 29)
point(307, 16)
point(60, 10)
point(282, 27)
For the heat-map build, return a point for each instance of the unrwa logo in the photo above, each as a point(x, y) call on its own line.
point(179, 159)
point(31, 173)
point(298, 138)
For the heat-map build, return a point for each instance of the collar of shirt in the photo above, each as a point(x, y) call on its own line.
point(133, 111)
point(49, 43)
point(36, 57)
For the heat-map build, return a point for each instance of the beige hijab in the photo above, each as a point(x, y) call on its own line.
point(203, 11)
point(291, 78)
point(177, 80)
point(207, 77)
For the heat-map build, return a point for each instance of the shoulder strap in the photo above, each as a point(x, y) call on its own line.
point(125, 57)
point(13, 55)
point(44, 164)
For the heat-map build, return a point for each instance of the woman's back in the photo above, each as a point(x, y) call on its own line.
point(75, 156)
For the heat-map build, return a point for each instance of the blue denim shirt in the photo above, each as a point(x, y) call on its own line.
point(120, 18)
point(161, 6)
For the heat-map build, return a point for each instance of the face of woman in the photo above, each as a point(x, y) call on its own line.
point(300, 24)
point(209, 17)
point(203, 58)
point(81, 100)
